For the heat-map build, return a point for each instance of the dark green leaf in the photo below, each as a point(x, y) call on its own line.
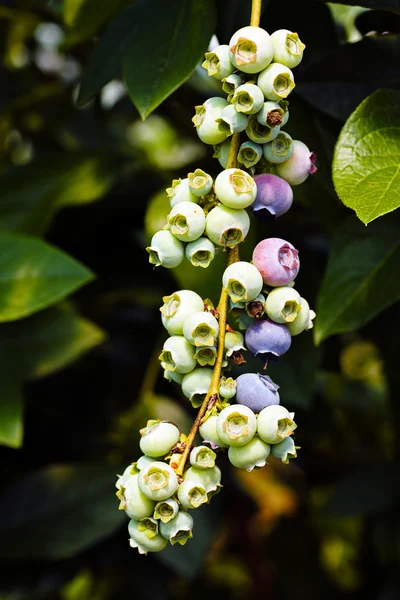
point(366, 166)
point(58, 512)
point(361, 279)
point(11, 409)
point(84, 17)
point(393, 5)
point(34, 275)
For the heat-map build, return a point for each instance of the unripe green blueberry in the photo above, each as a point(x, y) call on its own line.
point(200, 183)
point(202, 457)
point(275, 423)
point(288, 48)
point(187, 221)
point(283, 304)
point(280, 149)
point(191, 494)
point(299, 166)
point(260, 134)
point(285, 450)
point(251, 49)
point(149, 527)
point(227, 387)
point(249, 154)
point(172, 376)
point(201, 328)
point(180, 192)
point(236, 425)
point(179, 529)
point(158, 481)
point(165, 250)
point(253, 454)
point(227, 227)
point(235, 188)
point(126, 475)
point(276, 82)
point(232, 121)
point(205, 120)
point(144, 461)
point(271, 115)
point(208, 431)
point(242, 281)
point(218, 63)
point(136, 504)
point(233, 342)
point(200, 252)
point(221, 152)
point(166, 510)
point(206, 355)
point(158, 437)
point(177, 307)
point(248, 99)
point(139, 540)
point(303, 319)
point(257, 307)
point(195, 385)
point(177, 355)
point(231, 83)
point(209, 478)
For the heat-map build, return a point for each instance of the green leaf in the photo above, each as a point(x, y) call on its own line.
point(58, 511)
point(393, 5)
point(34, 275)
point(361, 278)
point(84, 17)
point(366, 165)
point(169, 50)
point(11, 409)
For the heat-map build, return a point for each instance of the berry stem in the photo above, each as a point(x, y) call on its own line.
point(255, 13)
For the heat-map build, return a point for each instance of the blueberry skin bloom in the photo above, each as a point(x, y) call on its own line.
point(277, 260)
point(268, 339)
point(256, 391)
point(274, 197)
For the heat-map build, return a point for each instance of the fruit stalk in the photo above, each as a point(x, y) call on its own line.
point(255, 13)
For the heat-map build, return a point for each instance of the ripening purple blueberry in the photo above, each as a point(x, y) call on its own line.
point(277, 260)
point(274, 197)
point(267, 339)
point(256, 391)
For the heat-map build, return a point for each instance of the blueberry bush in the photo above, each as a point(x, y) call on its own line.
point(164, 168)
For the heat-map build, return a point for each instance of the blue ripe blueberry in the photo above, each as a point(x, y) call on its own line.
point(276, 82)
point(274, 197)
point(200, 252)
point(277, 260)
point(226, 226)
point(200, 183)
point(275, 423)
point(267, 339)
point(177, 307)
point(165, 250)
point(158, 437)
point(283, 304)
point(285, 450)
point(256, 391)
point(236, 425)
point(251, 49)
point(288, 48)
point(179, 529)
point(139, 539)
point(253, 454)
point(248, 99)
point(271, 115)
point(249, 154)
point(195, 385)
point(235, 188)
point(177, 355)
point(242, 281)
point(205, 120)
point(232, 121)
point(218, 63)
point(280, 149)
point(303, 319)
point(260, 134)
point(187, 221)
point(299, 166)
point(180, 192)
point(208, 432)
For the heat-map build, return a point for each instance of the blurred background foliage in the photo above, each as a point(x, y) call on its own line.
point(82, 182)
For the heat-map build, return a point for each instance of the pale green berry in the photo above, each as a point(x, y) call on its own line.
point(205, 120)
point(227, 227)
point(136, 504)
point(236, 425)
point(177, 307)
point(257, 307)
point(242, 281)
point(253, 454)
point(303, 320)
point(231, 83)
point(276, 82)
point(248, 99)
point(208, 431)
point(283, 304)
point(233, 342)
point(201, 328)
point(271, 115)
point(249, 154)
point(260, 134)
point(280, 149)
point(200, 183)
point(202, 457)
point(275, 423)
point(158, 481)
point(191, 494)
point(180, 192)
point(232, 121)
point(149, 527)
point(200, 252)
point(177, 355)
point(158, 437)
point(195, 385)
point(251, 49)
point(221, 152)
point(206, 355)
point(166, 510)
point(179, 529)
point(139, 540)
point(285, 450)
point(122, 479)
point(227, 387)
point(235, 188)
point(286, 113)
point(144, 461)
point(187, 221)
point(165, 250)
point(209, 478)
point(218, 63)
point(288, 48)
point(173, 376)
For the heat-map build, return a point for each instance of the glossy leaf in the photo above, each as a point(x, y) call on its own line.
point(11, 408)
point(361, 278)
point(34, 275)
point(84, 17)
point(393, 5)
point(367, 157)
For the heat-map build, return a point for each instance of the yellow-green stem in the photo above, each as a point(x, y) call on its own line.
point(255, 13)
